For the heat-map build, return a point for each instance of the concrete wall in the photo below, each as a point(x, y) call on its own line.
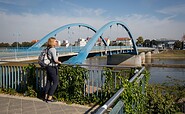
point(117, 59)
point(129, 60)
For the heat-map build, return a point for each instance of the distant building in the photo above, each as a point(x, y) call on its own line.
point(125, 40)
point(80, 42)
point(34, 41)
point(100, 42)
point(88, 38)
point(166, 44)
point(65, 43)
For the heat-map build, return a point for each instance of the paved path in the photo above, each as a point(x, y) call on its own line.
point(25, 105)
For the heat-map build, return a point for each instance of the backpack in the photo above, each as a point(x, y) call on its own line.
point(44, 58)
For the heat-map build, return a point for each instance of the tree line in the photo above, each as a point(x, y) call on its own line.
point(139, 42)
point(16, 44)
point(154, 43)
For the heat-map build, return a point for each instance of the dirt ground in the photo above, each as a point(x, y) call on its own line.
point(171, 54)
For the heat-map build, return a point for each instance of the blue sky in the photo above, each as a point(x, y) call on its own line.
point(24, 20)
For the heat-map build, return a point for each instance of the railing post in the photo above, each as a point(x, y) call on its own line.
point(0, 76)
point(37, 79)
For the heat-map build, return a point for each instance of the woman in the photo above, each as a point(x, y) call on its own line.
point(52, 70)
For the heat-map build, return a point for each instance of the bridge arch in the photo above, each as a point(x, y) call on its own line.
point(53, 33)
point(82, 55)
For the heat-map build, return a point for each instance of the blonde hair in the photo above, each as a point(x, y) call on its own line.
point(51, 42)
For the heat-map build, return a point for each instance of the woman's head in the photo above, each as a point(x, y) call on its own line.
point(52, 42)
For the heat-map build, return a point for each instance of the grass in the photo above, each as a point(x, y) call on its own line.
point(171, 54)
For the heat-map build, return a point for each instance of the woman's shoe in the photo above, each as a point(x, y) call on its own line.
point(52, 100)
point(45, 100)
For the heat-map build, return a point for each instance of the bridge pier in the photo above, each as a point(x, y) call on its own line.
point(148, 57)
point(129, 60)
point(117, 58)
point(142, 57)
point(133, 61)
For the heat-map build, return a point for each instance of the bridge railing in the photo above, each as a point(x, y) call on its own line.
point(14, 53)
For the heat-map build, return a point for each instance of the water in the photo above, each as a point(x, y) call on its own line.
point(158, 75)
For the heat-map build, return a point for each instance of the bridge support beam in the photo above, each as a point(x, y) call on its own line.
point(117, 59)
point(129, 60)
point(132, 61)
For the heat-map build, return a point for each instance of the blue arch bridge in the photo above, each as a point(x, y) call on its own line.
point(76, 54)
point(13, 76)
point(83, 53)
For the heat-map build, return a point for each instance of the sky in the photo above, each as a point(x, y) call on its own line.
point(25, 20)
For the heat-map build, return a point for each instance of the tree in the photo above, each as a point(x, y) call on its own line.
point(15, 44)
point(120, 44)
point(4, 44)
point(153, 43)
point(178, 45)
point(139, 41)
point(146, 43)
point(27, 44)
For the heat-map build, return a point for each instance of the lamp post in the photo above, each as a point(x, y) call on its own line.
point(18, 35)
point(17, 42)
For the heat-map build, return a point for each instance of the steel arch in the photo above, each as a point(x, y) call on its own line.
point(53, 33)
point(82, 55)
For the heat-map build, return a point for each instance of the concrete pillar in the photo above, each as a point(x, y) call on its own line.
point(148, 57)
point(142, 57)
point(148, 54)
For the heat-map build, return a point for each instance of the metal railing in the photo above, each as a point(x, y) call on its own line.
point(14, 53)
point(13, 75)
point(118, 108)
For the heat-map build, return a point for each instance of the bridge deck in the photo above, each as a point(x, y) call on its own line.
point(33, 55)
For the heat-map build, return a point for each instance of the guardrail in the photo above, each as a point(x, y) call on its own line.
point(118, 108)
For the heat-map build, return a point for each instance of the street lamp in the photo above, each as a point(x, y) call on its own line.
point(18, 35)
point(17, 47)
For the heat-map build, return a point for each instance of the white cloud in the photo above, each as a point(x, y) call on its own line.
point(31, 26)
point(77, 10)
point(89, 12)
point(18, 2)
point(154, 28)
point(178, 9)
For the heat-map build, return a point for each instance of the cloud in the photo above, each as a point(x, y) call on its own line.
point(31, 26)
point(177, 9)
point(35, 26)
point(77, 10)
point(18, 2)
point(151, 27)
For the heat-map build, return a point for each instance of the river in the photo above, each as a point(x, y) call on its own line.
point(158, 75)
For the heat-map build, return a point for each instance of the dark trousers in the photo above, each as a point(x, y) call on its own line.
point(52, 80)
